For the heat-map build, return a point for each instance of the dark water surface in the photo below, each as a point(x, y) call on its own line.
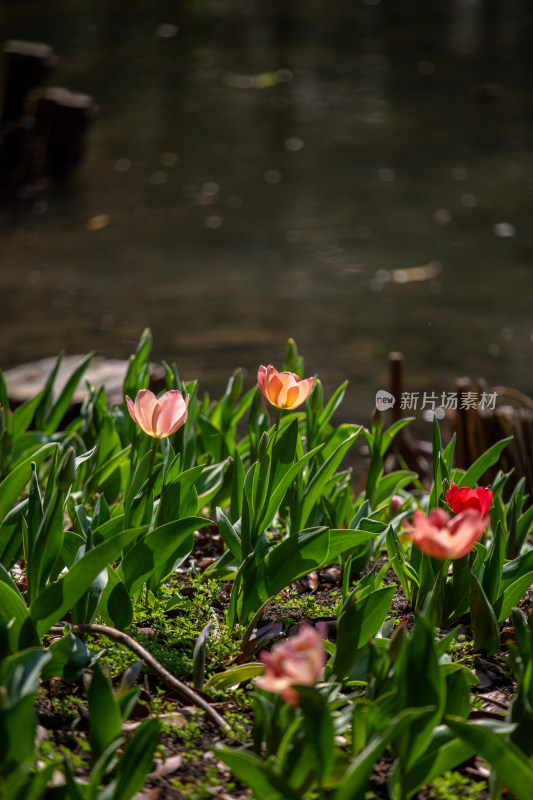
point(357, 175)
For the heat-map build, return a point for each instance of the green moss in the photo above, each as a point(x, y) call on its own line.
point(453, 785)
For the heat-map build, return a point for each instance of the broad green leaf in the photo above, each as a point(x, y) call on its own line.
point(289, 560)
point(314, 488)
point(358, 621)
point(419, 682)
point(482, 464)
point(116, 602)
point(278, 493)
point(23, 415)
point(137, 760)
point(233, 676)
point(253, 772)
point(511, 596)
point(105, 721)
point(229, 534)
point(13, 485)
point(443, 753)
point(510, 764)
point(493, 566)
point(392, 431)
point(158, 551)
point(331, 407)
point(484, 622)
point(355, 779)
point(14, 615)
point(61, 596)
point(69, 656)
point(61, 405)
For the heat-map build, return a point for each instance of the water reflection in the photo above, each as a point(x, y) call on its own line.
point(359, 180)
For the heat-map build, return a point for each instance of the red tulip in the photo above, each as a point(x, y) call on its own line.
point(283, 389)
point(158, 418)
point(459, 499)
point(441, 536)
point(296, 660)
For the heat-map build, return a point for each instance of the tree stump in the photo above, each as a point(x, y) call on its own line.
point(28, 65)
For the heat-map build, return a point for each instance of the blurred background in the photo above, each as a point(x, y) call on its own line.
point(356, 174)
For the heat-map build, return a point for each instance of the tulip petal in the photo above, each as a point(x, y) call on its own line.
point(145, 404)
point(173, 413)
point(261, 378)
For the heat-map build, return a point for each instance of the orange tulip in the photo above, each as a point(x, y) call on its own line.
point(158, 417)
point(297, 660)
point(283, 389)
point(441, 536)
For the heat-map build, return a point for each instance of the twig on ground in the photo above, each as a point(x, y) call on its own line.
point(184, 692)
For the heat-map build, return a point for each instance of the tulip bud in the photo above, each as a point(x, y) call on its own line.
point(396, 503)
point(235, 384)
point(316, 399)
point(66, 474)
point(377, 420)
point(263, 446)
point(293, 361)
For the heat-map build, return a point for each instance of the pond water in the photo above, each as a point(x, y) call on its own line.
point(357, 175)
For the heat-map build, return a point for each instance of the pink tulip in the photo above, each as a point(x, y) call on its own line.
point(283, 389)
point(442, 536)
point(297, 660)
point(158, 417)
point(459, 499)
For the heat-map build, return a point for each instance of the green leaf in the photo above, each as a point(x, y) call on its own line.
point(198, 657)
point(61, 596)
point(116, 602)
point(233, 676)
point(269, 574)
point(484, 622)
point(23, 415)
point(105, 721)
point(443, 753)
point(278, 493)
point(320, 478)
point(331, 407)
point(69, 656)
point(493, 565)
point(392, 431)
point(419, 682)
point(137, 373)
point(229, 534)
point(179, 497)
point(13, 485)
point(482, 464)
point(137, 760)
point(354, 780)
point(60, 407)
point(14, 615)
point(47, 394)
point(510, 764)
point(358, 621)
point(158, 552)
point(511, 596)
point(253, 772)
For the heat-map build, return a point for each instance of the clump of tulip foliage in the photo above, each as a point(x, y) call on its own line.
point(100, 513)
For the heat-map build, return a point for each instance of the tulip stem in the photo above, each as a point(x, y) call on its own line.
point(155, 447)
